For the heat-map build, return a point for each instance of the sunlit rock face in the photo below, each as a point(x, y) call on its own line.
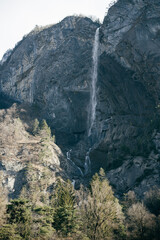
point(51, 68)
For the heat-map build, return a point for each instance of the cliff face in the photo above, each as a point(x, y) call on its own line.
point(128, 98)
point(51, 69)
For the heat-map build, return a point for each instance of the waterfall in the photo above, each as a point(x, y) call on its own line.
point(93, 99)
point(87, 164)
point(80, 171)
point(73, 164)
point(73, 183)
point(69, 155)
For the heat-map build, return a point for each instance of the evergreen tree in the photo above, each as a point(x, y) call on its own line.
point(45, 131)
point(8, 232)
point(64, 205)
point(42, 223)
point(35, 127)
point(19, 213)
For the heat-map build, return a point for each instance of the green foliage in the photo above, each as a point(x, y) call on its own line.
point(35, 127)
point(19, 213)
point(45, 131)
point(8, 232)
point(43, 220)
point(86, 214)
point(43, 125)
point(46, 212)
point(64, 205)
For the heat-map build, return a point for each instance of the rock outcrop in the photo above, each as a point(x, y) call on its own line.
point(51, 69)
point(128, 97)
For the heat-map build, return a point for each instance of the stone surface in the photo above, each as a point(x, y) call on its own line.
point(51, 68)
point(128, 93)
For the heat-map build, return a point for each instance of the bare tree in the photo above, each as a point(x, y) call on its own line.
point(141, 223)
point(101, 212)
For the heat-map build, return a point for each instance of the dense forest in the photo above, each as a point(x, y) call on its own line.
point(88, 213)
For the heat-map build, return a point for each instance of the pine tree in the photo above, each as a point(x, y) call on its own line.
point(45, 131)
point(35, 127)
point(19, 213)
point(64, 205)
point(8, 232)
point(43, 215)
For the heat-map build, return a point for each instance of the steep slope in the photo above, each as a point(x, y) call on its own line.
point(128, 97)
point(29, 164)
point(51, 68)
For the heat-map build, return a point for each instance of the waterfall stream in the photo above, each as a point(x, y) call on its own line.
point(73, 183)
point(93, 99)
point(93, 104)
point(69, 158)
point(87, 163)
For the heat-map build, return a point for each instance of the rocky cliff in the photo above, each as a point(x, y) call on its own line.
point(51, 70)
point(128, 97)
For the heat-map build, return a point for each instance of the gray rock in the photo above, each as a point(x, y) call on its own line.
point(51, 69)
point(128, 93)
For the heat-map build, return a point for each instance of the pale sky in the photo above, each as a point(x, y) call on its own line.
point(19, 17)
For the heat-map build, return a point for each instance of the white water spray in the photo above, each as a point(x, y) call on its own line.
point(69, 155)
point(87, 164)
point(93, 99)
point(73, 183)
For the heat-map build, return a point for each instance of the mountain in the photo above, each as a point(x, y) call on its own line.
point(52, 71)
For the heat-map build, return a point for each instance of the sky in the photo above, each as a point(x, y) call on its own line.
point(19, 17)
